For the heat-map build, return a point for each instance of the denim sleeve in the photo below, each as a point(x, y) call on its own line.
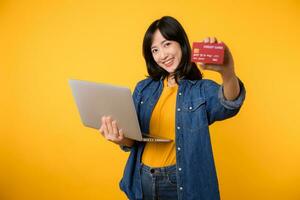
point(135, 100)
point(218, 107)
point(125, 148)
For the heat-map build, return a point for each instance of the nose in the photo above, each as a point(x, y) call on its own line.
point(163, 55)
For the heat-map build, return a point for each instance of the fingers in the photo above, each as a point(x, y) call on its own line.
point(109, 129)
point(121, 134)
point(109, 125)
point(115, 129)
point(206, 40)
point(103, 129)
point(213, 67)
point(211, 40)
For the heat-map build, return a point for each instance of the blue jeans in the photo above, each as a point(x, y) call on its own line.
point(159, 183)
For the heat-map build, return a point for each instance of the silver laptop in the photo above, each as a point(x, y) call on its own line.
point(95, 100)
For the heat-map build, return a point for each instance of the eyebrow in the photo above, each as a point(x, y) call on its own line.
point(160, 43)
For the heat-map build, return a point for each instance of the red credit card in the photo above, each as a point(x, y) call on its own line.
point(208, 53)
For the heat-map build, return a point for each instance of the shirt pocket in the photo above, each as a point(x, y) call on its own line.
point(145, 100)
point(194, 114)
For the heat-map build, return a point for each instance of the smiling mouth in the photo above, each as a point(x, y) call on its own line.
point(169, 63)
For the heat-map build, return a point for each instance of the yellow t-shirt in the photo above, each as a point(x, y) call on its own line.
point(162, 123)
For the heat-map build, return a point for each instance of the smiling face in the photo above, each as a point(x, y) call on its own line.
point(166, 53)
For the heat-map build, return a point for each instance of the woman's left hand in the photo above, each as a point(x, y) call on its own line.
point(230, 80)
point(227, 68)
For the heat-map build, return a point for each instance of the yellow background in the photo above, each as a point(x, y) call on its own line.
point(46, 153)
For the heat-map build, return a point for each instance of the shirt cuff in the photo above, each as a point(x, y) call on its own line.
point(232, 104)
point(125, 148)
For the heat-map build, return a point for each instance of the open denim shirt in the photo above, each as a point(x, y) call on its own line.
point(199, 103)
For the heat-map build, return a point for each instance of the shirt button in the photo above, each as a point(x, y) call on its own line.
point(178, 148)
point(181, 188)
point(178, 109)
point(190, 107)
point(180, 94)
point(178, 127)
point(179, 169)
point(142, 102)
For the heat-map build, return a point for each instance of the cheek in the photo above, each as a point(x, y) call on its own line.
point(178, 52)
point(179, 56)
point(155, 58)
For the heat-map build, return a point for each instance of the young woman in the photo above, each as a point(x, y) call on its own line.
point(175, 102)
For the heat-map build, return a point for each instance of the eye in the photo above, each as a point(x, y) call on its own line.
point(167, 44)
point(154, 51)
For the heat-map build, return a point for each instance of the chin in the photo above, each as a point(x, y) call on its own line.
point(170, 71)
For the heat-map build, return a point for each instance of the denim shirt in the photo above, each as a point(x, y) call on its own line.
point(199, 103)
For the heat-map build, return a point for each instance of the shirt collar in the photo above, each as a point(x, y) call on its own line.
point(181, 80)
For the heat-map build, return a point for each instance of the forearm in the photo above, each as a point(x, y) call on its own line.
point(230, 85)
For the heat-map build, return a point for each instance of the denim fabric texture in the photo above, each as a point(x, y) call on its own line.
point(199, 103)
point(159, 183)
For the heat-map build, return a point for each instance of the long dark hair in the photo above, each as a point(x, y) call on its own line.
point(172, 30)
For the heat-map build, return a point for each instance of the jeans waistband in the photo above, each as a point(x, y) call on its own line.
point(158, 170)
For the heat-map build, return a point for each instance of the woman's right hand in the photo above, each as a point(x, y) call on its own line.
point(110, 131)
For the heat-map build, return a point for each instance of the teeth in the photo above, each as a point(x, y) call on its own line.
point(169, 61)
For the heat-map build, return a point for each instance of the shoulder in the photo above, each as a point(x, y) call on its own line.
point(142, 84)
point(201, 88)
point(203, 83)
point(207, 84)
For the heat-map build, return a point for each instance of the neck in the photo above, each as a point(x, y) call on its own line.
point(171, 80)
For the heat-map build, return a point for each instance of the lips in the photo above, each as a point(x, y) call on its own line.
point(169, 63)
